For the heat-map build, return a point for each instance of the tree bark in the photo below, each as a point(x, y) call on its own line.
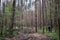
point(35, 15)
point(3, 13)
point(58, 8)
point(12, 19)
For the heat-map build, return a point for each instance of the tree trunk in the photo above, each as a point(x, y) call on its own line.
point(58, 2)
point(3, 13)
point(35, 15)
point(43, 2)
point(12, 19)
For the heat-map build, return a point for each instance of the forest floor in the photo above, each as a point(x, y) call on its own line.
point(32, 36)
point(36, 36)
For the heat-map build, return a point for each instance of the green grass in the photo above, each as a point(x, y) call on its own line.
point(15, 32)
point(6, 34)
point(52, 34)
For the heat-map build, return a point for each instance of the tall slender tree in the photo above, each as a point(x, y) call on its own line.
point(3, 13)
point(0, 17)
point(12, 19)
point(58, 12)
point(43, 13)
point(36, 15)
